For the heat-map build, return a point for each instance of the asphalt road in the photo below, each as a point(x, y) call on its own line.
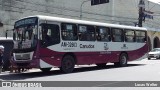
point(103, 78)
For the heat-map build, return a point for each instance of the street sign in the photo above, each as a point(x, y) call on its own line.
point(149, 12)
point(148, 16)
point(96, 2)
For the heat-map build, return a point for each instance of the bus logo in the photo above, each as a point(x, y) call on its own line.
point(124, 46)
point(69, 44)
point(106, 46)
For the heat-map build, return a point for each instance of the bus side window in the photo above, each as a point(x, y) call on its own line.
point(86, 33)
point(117, 35)
point(141, 36)
point(129, 35)
point(82, 32)
point(69, 31)
point(103, 34)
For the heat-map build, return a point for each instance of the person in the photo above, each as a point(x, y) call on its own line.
point(46, 37)
point(1, 57)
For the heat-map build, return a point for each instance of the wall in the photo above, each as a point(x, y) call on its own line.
point(117, 11)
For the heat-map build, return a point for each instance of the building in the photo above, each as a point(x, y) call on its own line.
point(116, 11)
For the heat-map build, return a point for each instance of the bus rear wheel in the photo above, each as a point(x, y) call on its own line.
point(68, 63)
point(123, 59)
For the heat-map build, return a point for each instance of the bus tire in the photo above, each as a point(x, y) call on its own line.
point(101, 64)
point(123, 59)
point(45, 69)
point(68, 63)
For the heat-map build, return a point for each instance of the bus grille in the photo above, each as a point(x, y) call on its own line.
point(22, 57)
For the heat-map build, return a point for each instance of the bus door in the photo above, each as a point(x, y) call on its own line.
point(49, 35)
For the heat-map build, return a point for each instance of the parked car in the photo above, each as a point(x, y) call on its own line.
point(155, 53)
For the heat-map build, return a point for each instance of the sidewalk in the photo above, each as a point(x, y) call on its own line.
point(8, 72)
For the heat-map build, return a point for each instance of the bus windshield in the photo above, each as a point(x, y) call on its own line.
point(25, 33)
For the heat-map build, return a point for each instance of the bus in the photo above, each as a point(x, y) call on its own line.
point(45, 42)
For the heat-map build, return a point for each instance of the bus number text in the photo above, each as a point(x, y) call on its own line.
point(68, 44)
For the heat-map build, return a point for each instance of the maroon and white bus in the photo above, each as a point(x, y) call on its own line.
point(45, 42)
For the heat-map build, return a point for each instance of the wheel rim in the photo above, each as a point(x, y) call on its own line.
point(123, 59)
point(68, 64)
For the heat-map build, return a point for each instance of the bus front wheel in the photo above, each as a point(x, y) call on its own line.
point(68, 63)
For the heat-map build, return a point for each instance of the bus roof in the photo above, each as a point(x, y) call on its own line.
point(67, 20)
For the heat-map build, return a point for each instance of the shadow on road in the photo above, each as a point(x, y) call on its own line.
point(23, 76)
point(153, 59)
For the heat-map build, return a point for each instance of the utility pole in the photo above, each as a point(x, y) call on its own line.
point(81, 8)
point(141, 12)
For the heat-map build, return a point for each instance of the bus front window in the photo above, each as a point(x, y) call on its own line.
point(25, 36)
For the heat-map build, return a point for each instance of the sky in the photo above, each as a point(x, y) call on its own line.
point(155, 1)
